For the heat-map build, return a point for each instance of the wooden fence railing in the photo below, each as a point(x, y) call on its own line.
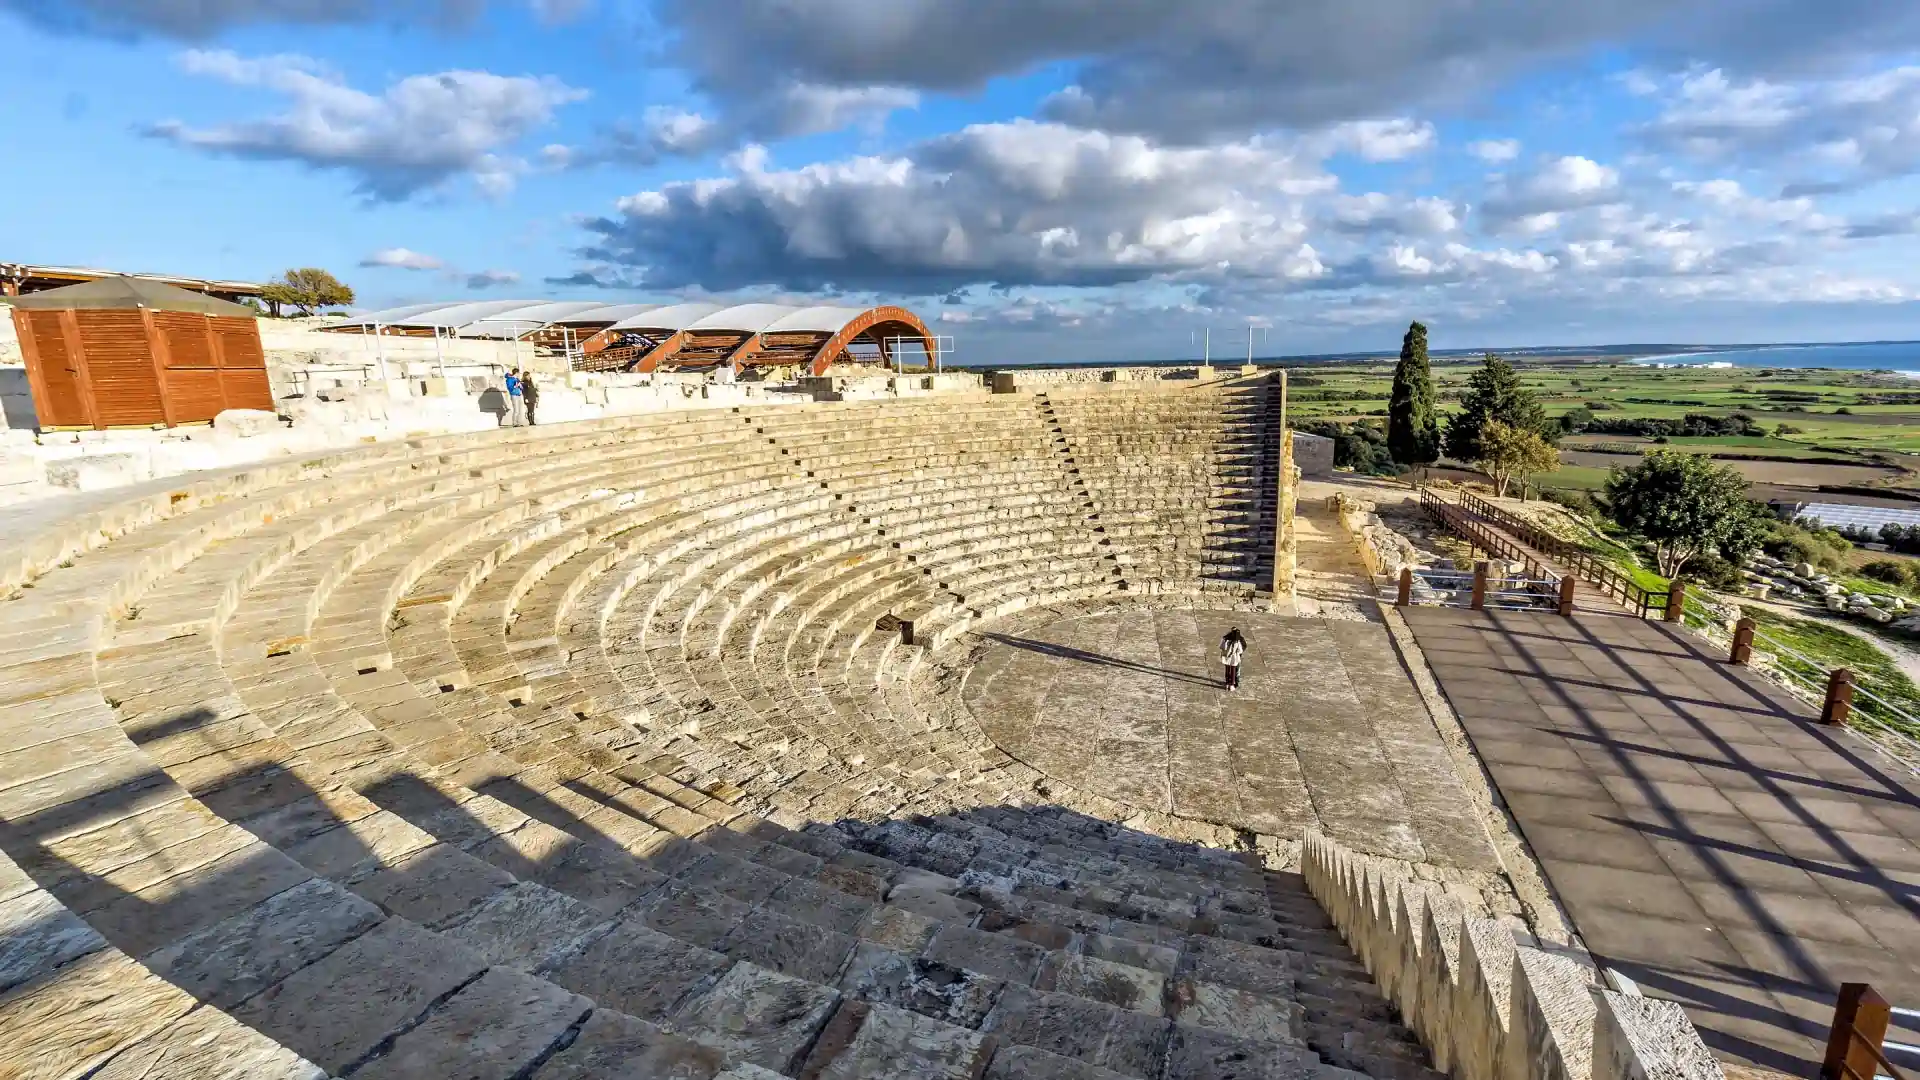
point(1572, 559)
point(1857, 1043)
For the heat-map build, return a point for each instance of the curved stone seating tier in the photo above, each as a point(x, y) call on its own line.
point(601, 742)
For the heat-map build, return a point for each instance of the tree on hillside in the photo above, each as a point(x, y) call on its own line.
point(1508, 453)
point(1687, 504)
point(1493, 393)
point(306, 289)
point(1413, 430)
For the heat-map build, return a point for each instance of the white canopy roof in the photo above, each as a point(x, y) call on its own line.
point(607, 314)
point(454, 316)
point(823, 320)
point(672, 317)
point(387, 316)
point(525, 318)
point(749, 318)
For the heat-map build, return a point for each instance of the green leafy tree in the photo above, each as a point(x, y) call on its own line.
point(1509, 453)
point(308, 289)
point(1413, 429)
point(1687, 505)
point(1576, 419)
point(1493, 393)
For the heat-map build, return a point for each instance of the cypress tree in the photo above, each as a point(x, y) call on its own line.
point(1494, 393)
point(1413, 431)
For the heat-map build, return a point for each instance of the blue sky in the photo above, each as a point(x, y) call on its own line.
point(1046, 179)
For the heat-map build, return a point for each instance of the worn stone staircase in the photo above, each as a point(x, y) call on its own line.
point(599, 751)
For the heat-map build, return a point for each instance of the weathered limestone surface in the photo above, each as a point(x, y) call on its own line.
point(1326, 729)
point(635, 748)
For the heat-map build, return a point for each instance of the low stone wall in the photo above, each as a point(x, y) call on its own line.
point(868, 386)
point(1382, 550)
point(1487, 1007)
point(1286, 542)
point(1013, 382)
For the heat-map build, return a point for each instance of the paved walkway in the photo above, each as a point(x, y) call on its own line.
point(1326, 729)
point(1707, 837)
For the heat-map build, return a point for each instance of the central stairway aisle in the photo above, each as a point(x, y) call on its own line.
point(584, 752)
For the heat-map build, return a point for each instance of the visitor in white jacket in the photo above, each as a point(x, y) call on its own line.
point(1233, 649)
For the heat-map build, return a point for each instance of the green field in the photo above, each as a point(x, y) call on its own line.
point(1880, 428)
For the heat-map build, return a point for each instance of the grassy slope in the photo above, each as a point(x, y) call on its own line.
point(1830, 647)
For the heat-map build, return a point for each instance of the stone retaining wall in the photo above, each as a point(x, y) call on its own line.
point(1487, 1007)
point(1013, 382)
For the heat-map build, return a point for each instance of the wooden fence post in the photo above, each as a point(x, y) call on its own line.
point(1742, 642)
point(1839, 701)
point(1406, 587)
point(1676, 601)
point(1567, 584)
point(1480, 585)
point(1859, 1014)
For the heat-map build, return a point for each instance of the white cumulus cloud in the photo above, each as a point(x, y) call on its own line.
point(422, 131)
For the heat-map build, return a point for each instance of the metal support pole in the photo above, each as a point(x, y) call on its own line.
point(1566, 594)
point(1742, 642)
point(1406, 587)
point(1839, 703)
point(1480, 585)
point(1860, 1021)
point(1676, 601)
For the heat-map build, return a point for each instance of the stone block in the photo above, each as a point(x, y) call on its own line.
point(207, 1044)
point(639, 971)
point(895, 1044)
point(612, 1046)
point(76, 1017)
point(337, 1010)
point(246, 423)
point(97, 472)
point(1638, 1038)
point(759, 1017)
point(494, 1029)
point(941, 991)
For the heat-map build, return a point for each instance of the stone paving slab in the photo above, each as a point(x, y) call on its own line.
point(1707, 837)
point(1327, 728)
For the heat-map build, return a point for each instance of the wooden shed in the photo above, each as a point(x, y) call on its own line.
point(129, 352)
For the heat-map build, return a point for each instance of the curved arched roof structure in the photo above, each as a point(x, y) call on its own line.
point(705, 335)
point(644, 337)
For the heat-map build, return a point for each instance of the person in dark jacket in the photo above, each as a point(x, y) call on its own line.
point(1233, 649)
point(529, 390)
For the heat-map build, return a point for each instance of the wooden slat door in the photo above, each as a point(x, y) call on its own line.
point(243, 364)
point(53, 371)
point(120, 369)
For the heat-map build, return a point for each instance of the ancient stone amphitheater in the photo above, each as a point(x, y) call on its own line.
point(630, 749)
